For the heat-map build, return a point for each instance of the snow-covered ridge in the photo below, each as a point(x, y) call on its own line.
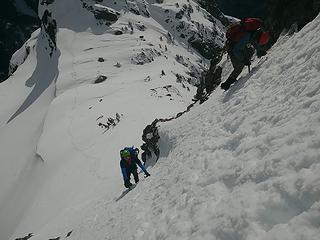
point(243, 165)
point(87, 88)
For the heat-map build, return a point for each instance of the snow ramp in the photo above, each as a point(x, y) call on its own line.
point(244, 165)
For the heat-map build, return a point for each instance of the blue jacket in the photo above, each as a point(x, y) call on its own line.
point(128, 167)
point(239, 49)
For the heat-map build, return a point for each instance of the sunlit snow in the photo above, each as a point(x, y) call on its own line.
point(243, 165)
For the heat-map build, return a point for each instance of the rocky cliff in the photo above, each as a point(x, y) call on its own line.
point(18, 19)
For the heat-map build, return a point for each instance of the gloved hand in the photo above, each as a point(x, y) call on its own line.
point(147, 174)
point(261, 53)
point(127, 183)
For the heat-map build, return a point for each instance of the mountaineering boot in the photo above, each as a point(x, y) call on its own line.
point(226, 85)
point(127, 184)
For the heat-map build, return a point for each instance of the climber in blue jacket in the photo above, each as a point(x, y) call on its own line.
point(128, 164)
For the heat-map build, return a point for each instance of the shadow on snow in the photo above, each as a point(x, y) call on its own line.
point(45, 73)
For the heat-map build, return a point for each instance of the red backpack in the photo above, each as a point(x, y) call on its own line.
point(237, 30)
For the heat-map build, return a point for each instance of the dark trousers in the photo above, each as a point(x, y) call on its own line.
point(134, 172)
point(237, 68)
point(237, 64)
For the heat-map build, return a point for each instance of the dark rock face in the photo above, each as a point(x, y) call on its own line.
point(15, 29)
point(278, 14)
point(139, 8)
point(213, 8)
point(150, 137)
point(244, 8)
point(283, 13)
point(25, 237)
point(103, 15)
point(207, 47)
point(107, 123)
point(50, 26)
point(210, 79)
point(206, 40)
point(147, 55)
point(100, 79)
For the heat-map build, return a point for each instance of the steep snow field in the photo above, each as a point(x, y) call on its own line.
point(244, 165)
point(65, 117)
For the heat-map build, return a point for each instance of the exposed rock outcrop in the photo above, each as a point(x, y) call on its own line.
point(282, 14)
point(103, 14)
point(49, 26)
point(212, 7)
point(16, 27)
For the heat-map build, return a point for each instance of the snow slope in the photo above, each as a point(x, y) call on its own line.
point(243, 165)
point(69, 111)
point(31, 89)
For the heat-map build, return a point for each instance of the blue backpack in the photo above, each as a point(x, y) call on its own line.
point(133, 151)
